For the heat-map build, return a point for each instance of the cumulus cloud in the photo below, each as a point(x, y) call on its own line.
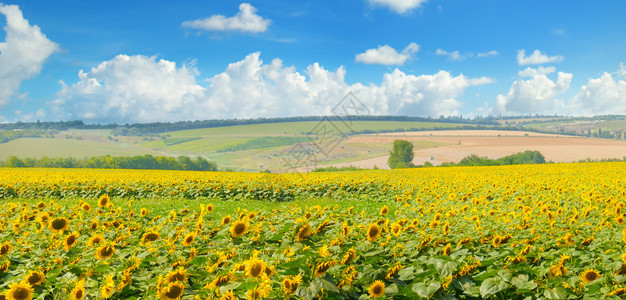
point(603, 95)
point(386, 55)
point(537, 94)
point(536, 58)
point(23, 52)
point(246, 20)
point(398, 6)
point(144, 89)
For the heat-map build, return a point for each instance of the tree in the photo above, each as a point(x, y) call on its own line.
point(401, 155)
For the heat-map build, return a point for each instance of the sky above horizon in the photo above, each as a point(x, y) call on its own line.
point(150, 61)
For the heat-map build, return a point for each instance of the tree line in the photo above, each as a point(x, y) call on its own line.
point(144, 162)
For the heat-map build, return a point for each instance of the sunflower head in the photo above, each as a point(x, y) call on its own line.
point(209, 208)
point(447, 250)
point(172, 291)
point(303, 232)
point(396, 229)
point(255, 268)
point(323, 267)
point(189, 239)
point(5, 248)
point(70, 241)
point(19, 290)
point(59, 225)
point(35, 278)
point(349, 257)
point(377, 289)
point(226, 220)
point(105, 201)
point(150, 236)
point(105, 251)
point(178, 275)
point(384, 210)
point(373, 232)
point(238, 229)
point(85, 206)
point(41, 205)
point(290, 284)
point(5, 265)
point(589, 276)
point(78, 292)
point(143, 212)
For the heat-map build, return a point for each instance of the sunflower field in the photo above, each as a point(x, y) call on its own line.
point(553, 231)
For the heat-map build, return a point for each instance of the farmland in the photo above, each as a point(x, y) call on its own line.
point(551, 231)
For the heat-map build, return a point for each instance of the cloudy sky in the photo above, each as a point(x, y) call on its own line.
point(146, 61)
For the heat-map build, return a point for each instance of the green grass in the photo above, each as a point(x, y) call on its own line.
point(176, 141)
point(265, 142)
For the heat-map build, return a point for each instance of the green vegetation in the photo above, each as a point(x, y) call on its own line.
point(265, 142)
point(144, 162)
point(336, 169)
point(401, 155)
point(176, 141)
point(522, 158)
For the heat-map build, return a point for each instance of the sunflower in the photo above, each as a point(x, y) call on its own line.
point(41, 205)
point(143, 212)
point(108, 288)
point(219, 281)
point(323, 267)
point(94, 240)
point(239, 228)
point(35, 278)
point(173, 291)
point(394, 270)
point(290, 284)
point(5, 265)
point(94, 224)
point(349, 257)
point(303, 232)
point(589, 276)
point(105, 201)
point(226, 220)
point(70, 241)
point(229, 295)
point(189, 239)
point(497, 241)
point(558, 270)
point(105, 251)
point(5, 248)
point(255, 268)
point(345, 229)
point(150, 236)
point(377, 289)
point(19, 291)
point(85, 206)
point(179, 275)
point(384, 210)
point(78, 292)
point(396, 229)
point(209, 208)
point(59, 225)
point(373, 232)
point(447, 250)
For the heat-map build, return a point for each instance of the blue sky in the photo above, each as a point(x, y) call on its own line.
point(147, 61)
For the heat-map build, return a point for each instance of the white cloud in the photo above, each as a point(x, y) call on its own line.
point(603, 95)
point(131, 89)
point(399, 6)
point(455, 55)
point(534, 95)
point(23, 52)
point(386, 55)
point(536, 58)
point(245, 20)
point(486, 54)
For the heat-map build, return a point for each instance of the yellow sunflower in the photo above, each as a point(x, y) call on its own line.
point(209, 208)
point(226, 220)
point(78, 292)
point(41, 205)
point(229, 295)
point(35, 278)
point(373, 232)
point(447, 249)
point(143, 212)
point(19, 291)
point(5, 248)
point(150, 236)
point(290, 284)
point(105, 251)
point(323, 267)
point(189, 239)
point(108, 288)
point(94, 240)
point(85, 206)
point(384, 210)
point(172, 291)
point(59, 225)
point(239, 228)
point(179, 275)
point(377, 289)
point(70, 241)
point(396, 229)
point(255, 267)
point(105, 201)
point(589, 276)
point(303, 232)
point(5, 265)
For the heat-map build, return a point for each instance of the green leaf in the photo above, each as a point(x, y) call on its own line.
point(407, 274)
point(521, 282)
point(424, 291)
point(492, 285)
point(555, 293)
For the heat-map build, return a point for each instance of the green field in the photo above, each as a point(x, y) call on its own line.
point(244, 147)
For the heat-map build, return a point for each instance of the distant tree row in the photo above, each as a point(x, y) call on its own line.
point(521, 158)
point(147, 162)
